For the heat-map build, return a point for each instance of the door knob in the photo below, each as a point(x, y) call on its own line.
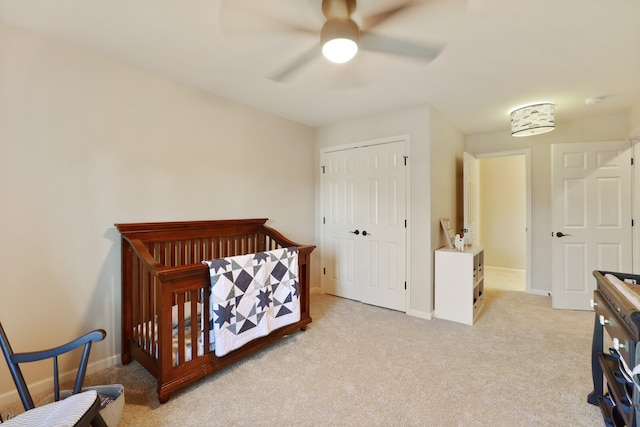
point(356, 232)
point(561, 234)
point(364, 233)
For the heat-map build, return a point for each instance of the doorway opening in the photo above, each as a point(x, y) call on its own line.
point(504, 219)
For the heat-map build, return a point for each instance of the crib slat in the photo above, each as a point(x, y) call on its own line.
point(147, 318)
point(206, 318)
point(181, 350)
point(182, 253)
point(195, 326)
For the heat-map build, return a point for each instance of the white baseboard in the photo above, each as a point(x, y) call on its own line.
point(517, 270)
point(46, 385)
point(414, 313)
point(540, 292)
point(420, 314)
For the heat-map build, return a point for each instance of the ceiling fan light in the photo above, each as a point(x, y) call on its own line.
point(339, 39)
point(339, 51)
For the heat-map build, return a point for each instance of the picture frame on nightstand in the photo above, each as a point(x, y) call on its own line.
point(448, 231)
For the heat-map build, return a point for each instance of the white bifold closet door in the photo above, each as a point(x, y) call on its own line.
point(364, 254)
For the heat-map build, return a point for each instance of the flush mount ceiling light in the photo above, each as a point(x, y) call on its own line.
point(340, 36)
point(532, 119)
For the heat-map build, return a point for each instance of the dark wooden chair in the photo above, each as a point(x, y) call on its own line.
point(90, 416)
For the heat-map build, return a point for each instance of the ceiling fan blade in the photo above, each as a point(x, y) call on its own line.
point(238, 20)
point(373, 20)
point(286, 73)
point(379, 43)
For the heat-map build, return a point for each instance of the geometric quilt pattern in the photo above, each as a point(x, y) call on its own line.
point(251, 295)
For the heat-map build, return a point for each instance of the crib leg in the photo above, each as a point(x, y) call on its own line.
point(163, 396)
point(126, 358)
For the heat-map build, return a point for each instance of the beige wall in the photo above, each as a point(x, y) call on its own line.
point(607, 128)
point(503, 211)
point(432, 149)
point(447, 148)
point(634, 121)
point(86, 143)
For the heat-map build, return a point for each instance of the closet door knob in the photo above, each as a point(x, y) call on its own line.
point(364, 233)
point(356, 232)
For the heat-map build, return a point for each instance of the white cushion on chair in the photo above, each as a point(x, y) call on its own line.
point(64, 413)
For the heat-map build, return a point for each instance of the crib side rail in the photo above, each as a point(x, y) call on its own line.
point(273, 239)
point(149, 290)
point(183, 289)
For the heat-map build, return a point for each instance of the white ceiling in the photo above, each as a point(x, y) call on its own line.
point(497, 54)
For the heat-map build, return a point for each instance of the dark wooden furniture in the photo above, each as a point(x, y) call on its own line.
point(617, 311)
point(162, 270)
point(90, 414)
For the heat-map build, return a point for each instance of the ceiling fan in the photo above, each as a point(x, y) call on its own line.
point(341, 37)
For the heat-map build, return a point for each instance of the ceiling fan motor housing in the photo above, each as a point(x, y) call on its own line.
point(339, 24)
point(339, 29)
point(338, 8)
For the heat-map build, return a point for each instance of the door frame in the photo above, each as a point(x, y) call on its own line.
point(635, 200)
point(526, 152)
point(361, 144)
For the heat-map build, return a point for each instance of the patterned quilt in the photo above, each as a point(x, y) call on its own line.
point(251, 295)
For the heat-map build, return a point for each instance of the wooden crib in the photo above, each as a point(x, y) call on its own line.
point(164, 280)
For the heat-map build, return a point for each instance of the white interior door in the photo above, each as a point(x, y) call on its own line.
point(383, 236)
point(591, 218)
point(339, 181)
point(364, 230)
point(470, 197)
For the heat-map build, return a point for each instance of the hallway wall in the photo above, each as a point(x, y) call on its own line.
point(503, 211)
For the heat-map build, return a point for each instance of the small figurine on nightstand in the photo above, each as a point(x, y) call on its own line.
point(467, 237)
point(459, 243)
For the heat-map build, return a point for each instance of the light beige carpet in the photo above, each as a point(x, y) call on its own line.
point(521, 364)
